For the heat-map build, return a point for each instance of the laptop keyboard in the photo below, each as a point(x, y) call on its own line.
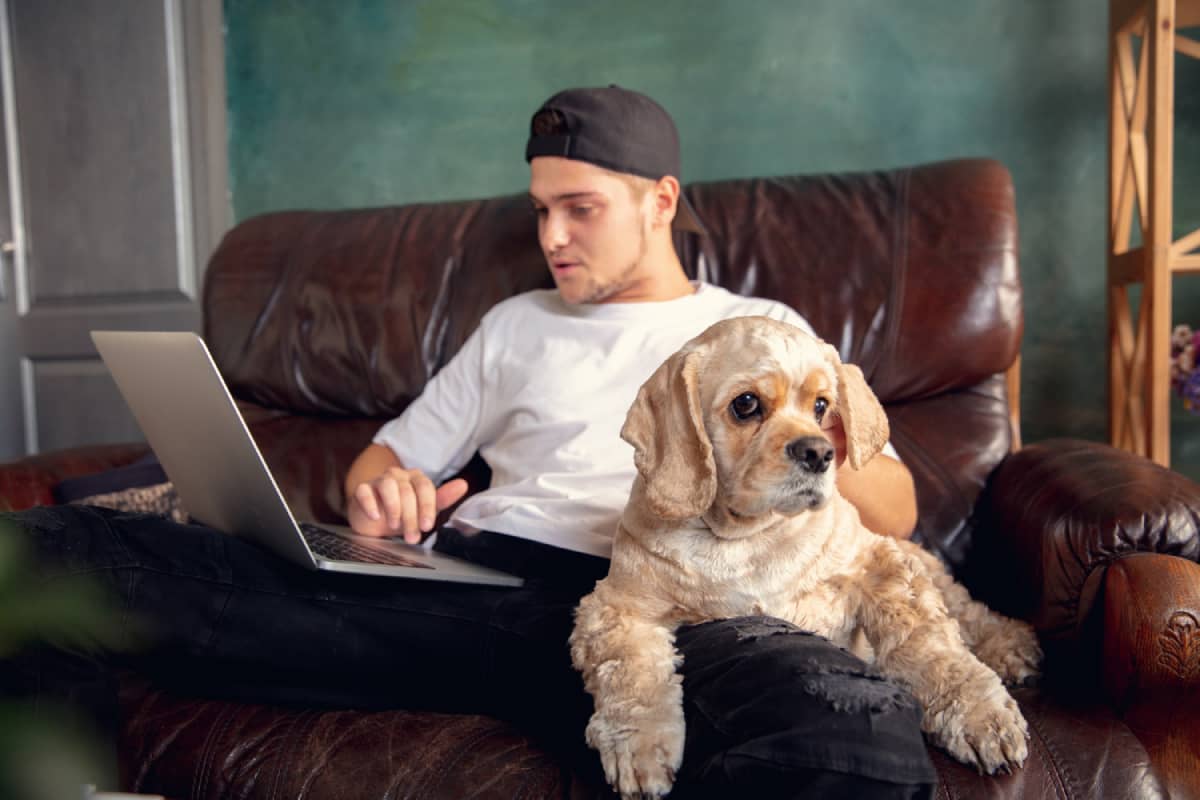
point(338, 548)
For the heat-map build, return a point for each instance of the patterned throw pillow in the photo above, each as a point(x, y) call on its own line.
point(140, 487)
point(159, 498)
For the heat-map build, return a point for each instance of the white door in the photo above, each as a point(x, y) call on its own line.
point(113, 128)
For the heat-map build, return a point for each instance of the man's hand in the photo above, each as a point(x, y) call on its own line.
point(384, 498)
point(400, 502)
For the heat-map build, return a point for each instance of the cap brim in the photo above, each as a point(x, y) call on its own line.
point(686, 218)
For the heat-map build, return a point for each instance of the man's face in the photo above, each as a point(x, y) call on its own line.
point(592, 228)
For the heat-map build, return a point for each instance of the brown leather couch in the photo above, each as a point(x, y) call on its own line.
point(328, 323)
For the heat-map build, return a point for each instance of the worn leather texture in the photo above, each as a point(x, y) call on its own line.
point(185, 748)
point(328, 323)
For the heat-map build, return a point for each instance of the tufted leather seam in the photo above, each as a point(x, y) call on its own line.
point(304, 722)
point(913, 452)
point(200, 779)
point(208, 752)
point(433, 337)
point(899, 269)
point(1098, 566)
point(932, 468)
point(1055, 767)
point(156, 752)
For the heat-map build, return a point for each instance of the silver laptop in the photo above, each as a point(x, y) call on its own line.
point(189, 418)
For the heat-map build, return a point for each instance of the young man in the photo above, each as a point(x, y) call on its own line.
point(540, 390)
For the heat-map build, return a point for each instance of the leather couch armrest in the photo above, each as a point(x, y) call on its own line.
point(30, 481)
point(1052, 519)
point(1151, 663)
point(1151, 629)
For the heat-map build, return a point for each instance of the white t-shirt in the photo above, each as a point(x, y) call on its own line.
point(541, 390)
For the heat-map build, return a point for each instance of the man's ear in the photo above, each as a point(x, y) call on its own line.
point(863, 418)
point(671, 449)
point(666, 200)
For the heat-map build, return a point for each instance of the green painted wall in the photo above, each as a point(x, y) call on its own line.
point(370, 102)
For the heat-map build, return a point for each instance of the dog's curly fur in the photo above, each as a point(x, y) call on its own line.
point(723, 521)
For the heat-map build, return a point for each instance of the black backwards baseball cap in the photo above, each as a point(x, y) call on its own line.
point(618, 129)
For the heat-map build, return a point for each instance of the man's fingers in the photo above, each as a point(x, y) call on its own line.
point(450, 493)
point(364, 495)
point(426, 497)
point(389, 497)
point(407, 524)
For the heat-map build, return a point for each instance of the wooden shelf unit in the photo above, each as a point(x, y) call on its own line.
point(1141, 118)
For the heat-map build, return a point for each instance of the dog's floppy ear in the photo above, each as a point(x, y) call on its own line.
point(671, 449)
point(863, 418)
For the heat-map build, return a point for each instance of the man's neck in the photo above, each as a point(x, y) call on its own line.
point(673, 283)
point(663, 280)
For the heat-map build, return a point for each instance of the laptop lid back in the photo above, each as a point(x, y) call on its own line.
point(177, 395)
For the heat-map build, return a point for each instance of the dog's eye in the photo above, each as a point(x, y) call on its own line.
point(820, 407)
point(745, 406)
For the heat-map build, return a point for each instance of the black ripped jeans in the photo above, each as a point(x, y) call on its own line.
point(771, 711)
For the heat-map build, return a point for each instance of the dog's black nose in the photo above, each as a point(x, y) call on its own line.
point(813, 453)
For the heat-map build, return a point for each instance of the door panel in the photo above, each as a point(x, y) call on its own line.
point(100, 210)
point(107, 108)
point(75, 402)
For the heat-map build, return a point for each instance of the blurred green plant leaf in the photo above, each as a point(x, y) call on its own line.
point(69, 609)
point(48, 752)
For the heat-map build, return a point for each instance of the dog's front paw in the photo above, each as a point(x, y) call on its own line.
point(641, 752)
point(1012, 650)
point(989, 734)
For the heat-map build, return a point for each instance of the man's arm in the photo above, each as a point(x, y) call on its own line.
point(884, 495)
point(882, 491)
point(383, 498)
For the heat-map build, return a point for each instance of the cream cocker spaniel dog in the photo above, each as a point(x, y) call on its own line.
point(735, 512)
